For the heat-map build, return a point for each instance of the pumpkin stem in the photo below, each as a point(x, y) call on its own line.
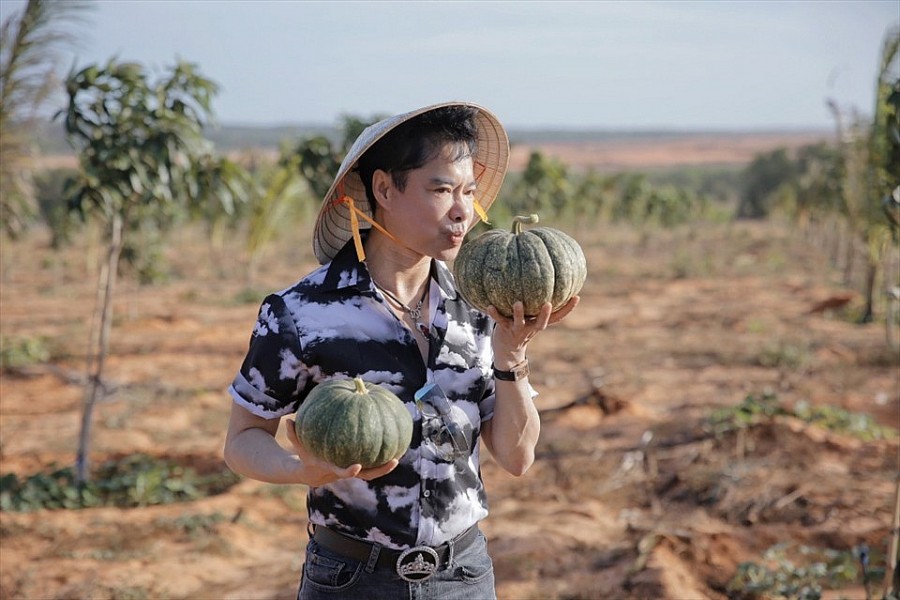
point(517, 222)
point(360, 386)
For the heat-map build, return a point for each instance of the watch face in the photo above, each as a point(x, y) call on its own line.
point(516, 374)
point(521, 372)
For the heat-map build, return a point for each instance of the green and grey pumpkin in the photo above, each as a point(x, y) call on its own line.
point(348, 422)
point(535, 266)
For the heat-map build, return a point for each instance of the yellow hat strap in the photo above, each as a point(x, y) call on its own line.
point(356, 213)
point(478, 209)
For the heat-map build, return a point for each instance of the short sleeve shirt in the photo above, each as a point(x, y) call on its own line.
point(334, 324)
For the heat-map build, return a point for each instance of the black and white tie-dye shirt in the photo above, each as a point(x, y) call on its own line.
point(334, 324)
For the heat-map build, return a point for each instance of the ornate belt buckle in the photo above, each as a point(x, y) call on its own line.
point(417, 564)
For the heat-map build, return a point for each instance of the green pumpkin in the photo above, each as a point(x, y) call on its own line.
point(536, 266)
point(348, 422)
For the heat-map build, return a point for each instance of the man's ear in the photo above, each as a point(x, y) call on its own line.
point(381, 188)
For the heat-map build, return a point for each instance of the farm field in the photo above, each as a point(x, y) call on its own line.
point(604, 153)
point(642, 488)
point(663, 151)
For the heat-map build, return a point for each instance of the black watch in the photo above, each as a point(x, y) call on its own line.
point(518, 372)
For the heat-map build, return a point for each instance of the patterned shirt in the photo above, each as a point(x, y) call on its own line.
point(334, 324)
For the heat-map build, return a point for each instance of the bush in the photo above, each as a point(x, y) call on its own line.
point(49, 191)
point(16, 353)
point(757, 409)
point(802, 572)
point(131, 481)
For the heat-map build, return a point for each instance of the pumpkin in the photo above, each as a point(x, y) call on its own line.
point(348, 422)
point(536, 266)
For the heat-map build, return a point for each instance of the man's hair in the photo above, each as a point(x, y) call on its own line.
point(413, 143)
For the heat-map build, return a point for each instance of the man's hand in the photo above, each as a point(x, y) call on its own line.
point(318, 472)
point(511, 336)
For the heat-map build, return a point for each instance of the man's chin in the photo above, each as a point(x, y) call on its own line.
point(447, 255)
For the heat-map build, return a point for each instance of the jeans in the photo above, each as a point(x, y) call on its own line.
point(326, 574)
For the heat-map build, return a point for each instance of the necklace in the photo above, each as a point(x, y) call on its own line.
point(414, 313)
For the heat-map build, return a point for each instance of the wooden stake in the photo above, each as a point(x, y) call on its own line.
point(895, 543)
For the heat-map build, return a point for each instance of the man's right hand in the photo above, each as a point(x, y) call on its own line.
point(319, 472)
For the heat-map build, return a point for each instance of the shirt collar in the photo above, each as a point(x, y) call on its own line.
point(346, 271)
point(445, 280)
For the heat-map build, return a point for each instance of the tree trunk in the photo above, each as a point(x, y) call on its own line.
point(871, 273)
point(893, 558)
point(849, 257)
point(833, 233)
point(105, 287)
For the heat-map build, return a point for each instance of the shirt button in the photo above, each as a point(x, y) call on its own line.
point(427, 493)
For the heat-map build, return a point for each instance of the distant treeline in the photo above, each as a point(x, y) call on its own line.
point(51, 139)
point(50, 135)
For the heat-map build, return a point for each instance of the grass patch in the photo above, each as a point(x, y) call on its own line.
point(293, 496)
point(247, 296)
point(756, 326)
point(131, 592)
point(687, 264)
point(18, 352)
point(802, 572)
point(784, 355)
point(194, 525)
point(201, 530)
point(118, 592)
point(132, 481)
point(763, 407)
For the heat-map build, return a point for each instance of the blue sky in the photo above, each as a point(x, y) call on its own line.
point(612, 65)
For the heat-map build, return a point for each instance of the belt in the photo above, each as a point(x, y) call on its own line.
point(413, 564)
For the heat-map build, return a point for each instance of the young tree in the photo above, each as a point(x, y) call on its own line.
point(883, 169)
point(320, 158)
point(30, 42)
point(761, 179)
point(884, 138)
point(885, 141)
point(223, 187)
point(592, 195)
point(268, 203)
point(815, 191)
point(869, 169)
point(142, 156)
point(544, 187)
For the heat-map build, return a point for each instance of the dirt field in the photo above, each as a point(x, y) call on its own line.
point(687, 149)
point(678, 150)
point(632, 494)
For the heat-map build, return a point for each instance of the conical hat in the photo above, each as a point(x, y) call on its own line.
point(334, 225)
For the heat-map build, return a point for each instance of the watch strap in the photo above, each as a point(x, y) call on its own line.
point(517, 373)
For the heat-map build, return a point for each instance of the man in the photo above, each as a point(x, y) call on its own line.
point(383, 307)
